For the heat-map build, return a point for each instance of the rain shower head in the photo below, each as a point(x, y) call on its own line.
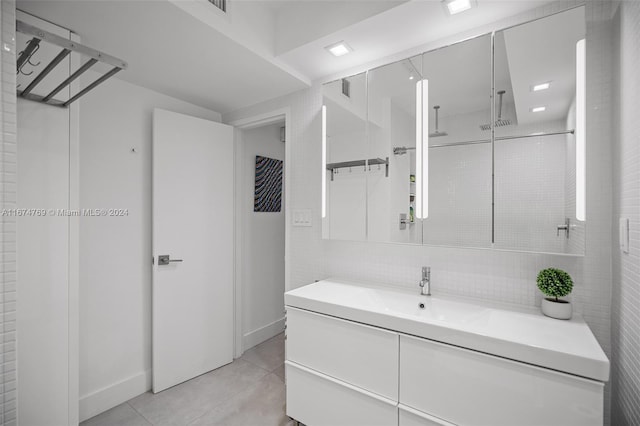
point(500, 122)
point(437, 133)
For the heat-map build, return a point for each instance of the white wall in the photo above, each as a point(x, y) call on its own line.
point(115, 252)
point(8, 148)
point(503, 276)
point(47, 243)
point(43, 261)
point(262, 245)
point(626, 174)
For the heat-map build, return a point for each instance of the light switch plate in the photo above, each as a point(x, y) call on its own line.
point(301, 217)
point(624, 235)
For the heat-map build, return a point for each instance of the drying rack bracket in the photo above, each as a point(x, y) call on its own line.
point(68, 46)
point(359, 163)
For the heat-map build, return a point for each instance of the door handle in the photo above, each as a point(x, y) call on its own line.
point(164, 259)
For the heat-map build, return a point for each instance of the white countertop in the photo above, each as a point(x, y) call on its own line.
point(522, 335)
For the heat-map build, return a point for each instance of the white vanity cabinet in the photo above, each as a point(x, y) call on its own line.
point(345, 350)
point(360, 355)
point(340, 372)
point(471, 388)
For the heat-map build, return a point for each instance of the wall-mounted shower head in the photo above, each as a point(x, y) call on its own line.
point(437, 133)
point(500, 122)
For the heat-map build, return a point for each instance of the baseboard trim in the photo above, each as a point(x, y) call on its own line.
point(110, 396)
point(266, 332)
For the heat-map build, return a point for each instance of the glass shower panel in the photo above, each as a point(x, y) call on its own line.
point(394, 127)
point(458, 192)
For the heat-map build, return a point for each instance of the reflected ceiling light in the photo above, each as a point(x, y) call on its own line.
point(411, 77)
point(541, 86)
point(339, 49)
point(539, 109)
point(457, 6)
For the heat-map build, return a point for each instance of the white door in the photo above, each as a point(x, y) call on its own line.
point(193, 225)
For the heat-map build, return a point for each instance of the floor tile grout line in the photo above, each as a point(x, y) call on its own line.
point(139, 413)
point(255, 365)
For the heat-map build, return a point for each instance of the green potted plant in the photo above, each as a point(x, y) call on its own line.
point(555, 283)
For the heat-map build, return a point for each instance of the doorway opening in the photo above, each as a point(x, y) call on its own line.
point(261, 228)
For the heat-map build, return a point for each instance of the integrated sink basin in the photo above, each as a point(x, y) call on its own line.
point(523, 335)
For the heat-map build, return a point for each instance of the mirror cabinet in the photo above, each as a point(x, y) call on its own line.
point(477, 144)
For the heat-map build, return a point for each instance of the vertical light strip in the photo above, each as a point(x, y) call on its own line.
point(324, 161)
point(422, 149)
point(425, 149)
point(419, 149)
point(581, 110)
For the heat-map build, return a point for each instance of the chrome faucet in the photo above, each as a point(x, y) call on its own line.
point(425, 284)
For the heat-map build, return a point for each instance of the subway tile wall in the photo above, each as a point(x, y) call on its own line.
point(8, 160)
point(625, 312)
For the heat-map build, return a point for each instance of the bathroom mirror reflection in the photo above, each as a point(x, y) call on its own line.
point(416, 151)
point(457, 211)
point(394, 97)
point(539, 135)
point(345, 155)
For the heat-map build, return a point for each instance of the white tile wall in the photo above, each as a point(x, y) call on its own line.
point(8, 162)
point(625, 309)
point(530, 191)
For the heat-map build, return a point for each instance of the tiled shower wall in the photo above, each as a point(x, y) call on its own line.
point(625, 316)
point(503, 276)
point(8, 369)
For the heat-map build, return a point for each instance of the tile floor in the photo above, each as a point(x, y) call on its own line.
point(248, 392)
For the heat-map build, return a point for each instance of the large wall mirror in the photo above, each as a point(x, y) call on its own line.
point(458, 106)
point(478, 144)
point(394, 97)
point(344, 152)
point(539, 167)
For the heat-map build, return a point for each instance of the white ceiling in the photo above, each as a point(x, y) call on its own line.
point(451, 84)
point(544, 51)
point(171, 52)
point(401, 28)
point(263, 48)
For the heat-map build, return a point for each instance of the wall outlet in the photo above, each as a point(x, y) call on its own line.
point(301, 217)
point(624, 235)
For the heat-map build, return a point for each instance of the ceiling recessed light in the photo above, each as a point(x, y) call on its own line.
point(339, 49)
point(457, 6)
point(411, 77)
point(541, 86)
point(538, 109)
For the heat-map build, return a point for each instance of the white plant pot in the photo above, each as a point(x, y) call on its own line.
point(559, 310)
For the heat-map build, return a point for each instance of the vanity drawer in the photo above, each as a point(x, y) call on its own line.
point(318, 400)
point(360, 355)
point(407, 416)
point(471, 388)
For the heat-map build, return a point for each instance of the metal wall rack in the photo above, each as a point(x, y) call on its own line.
point(67, 46)
point(360, 163)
